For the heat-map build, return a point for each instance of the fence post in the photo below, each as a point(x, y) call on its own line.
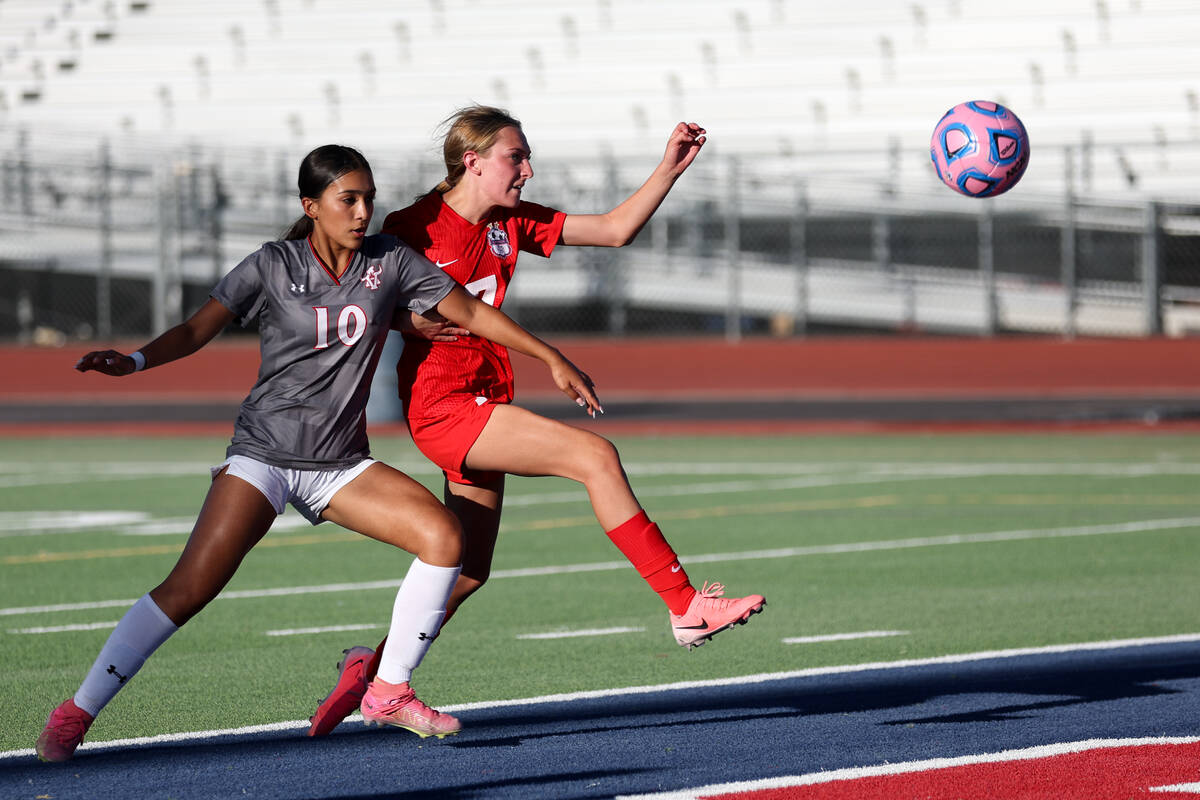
point(166, 289)
point(216, 220)
point(24, 168)
point(104, 276)
point(1151, 269)
point(987, 267)
point(881, 253)
point(1069, 252)
point(733, 247)
point(799, 246)
point(612, 263)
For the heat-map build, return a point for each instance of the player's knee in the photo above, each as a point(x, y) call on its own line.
point(441, 541)
point(601, 457)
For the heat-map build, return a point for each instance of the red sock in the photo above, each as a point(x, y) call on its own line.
point(640, 541)
point(372, 665)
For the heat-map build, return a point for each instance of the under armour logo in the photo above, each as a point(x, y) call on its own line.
point(423, 636)
point(112, 670)
point(371, 279)
point(298, 288)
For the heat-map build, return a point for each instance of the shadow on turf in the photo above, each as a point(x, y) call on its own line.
point(340, 766)
point(1066, 680)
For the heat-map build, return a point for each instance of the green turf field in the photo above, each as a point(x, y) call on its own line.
point(953, 543)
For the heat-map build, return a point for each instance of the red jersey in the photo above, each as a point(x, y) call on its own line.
point(435, 377)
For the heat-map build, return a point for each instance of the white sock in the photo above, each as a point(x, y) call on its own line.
point(139, 633)
point(416, 618)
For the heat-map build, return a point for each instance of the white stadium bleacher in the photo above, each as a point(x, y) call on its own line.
point(832, 101)
point(759, 74)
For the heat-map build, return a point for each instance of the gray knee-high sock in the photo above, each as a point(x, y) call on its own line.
point(139, 633)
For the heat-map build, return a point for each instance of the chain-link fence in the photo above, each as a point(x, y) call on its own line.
point(108, 239)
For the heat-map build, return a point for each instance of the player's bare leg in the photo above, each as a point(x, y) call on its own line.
point(520, 442)
point(235, 516)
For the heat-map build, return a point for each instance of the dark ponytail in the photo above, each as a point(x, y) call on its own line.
point(320, 168)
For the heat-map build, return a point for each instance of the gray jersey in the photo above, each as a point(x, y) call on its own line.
point(321, 337)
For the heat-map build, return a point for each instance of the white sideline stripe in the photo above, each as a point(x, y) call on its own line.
point(1181, 788)
point(601, 566)
point(81, 626)
point(130, 523)
point(812, 476)
point(238, 595)
point(37, 523)
point(60, 473)
point(584, 632)
point(818, 474)
point(855, 773)
point(289, 520)
point(985, 655)
point(841, 637)
point(326, 629)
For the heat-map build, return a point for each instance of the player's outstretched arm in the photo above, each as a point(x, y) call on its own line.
point(431, 325)
point(182, 340)
point(620, 226)
point(481, 319)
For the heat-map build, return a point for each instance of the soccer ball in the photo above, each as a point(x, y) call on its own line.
point(979, 148)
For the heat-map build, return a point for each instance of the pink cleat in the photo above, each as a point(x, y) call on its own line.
point(347, 693)
point(397, 704)
point(63, 732)
point(709, 614)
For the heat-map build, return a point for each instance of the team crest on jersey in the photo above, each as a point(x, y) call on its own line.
point(498, 240)
point(371, 279)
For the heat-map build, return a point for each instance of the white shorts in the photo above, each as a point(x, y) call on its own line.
point(308, 490)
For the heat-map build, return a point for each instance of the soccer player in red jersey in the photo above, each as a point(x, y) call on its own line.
point(325, 298)
point(458, 389)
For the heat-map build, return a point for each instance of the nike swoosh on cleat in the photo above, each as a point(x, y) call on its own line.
point(701, 626)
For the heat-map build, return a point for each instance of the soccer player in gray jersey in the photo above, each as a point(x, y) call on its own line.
point(324, 298)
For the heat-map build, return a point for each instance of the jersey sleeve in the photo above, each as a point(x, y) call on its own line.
point(422, 284)
point(540, 227)
point(241, 290)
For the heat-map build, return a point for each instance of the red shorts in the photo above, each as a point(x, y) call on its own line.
point(447, 439)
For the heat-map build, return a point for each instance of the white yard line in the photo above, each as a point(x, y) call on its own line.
point(325, 629)
point(1141, 526)
point(960, 658)
point(579, 633)
point(79, 626)
point(841, 637)
point(16, 475)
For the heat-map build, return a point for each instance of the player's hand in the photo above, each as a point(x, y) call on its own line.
point(576, 385)
point(110, 362)
point(432, 326)
point(683, 146)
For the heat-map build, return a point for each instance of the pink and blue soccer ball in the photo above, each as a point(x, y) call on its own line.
point(980, 149)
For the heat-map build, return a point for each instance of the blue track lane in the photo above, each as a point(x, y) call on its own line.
point(669, 740)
